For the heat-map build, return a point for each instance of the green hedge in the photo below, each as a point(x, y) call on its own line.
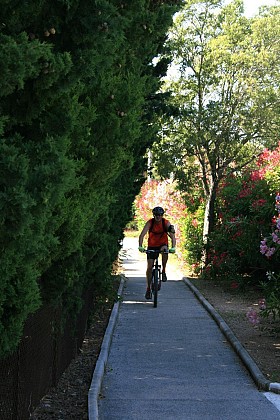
point(77, 93)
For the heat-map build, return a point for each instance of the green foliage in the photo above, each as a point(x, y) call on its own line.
point(271, 290)
point(77, 91)
point(192, 238)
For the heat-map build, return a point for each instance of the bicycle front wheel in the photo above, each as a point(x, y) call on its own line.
point(155, 282)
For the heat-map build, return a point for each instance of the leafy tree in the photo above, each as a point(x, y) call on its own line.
point(225, 96)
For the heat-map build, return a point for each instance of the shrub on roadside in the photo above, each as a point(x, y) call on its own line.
point(244, 205)
point(270, 248)
point(192, 239)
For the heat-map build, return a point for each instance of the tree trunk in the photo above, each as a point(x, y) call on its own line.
point(209, 219)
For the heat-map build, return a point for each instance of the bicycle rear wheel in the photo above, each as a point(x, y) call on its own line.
point(155, 283)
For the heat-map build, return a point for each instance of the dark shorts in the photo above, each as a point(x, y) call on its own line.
point(154, 255)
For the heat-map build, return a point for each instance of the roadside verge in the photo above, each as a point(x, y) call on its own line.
point(101, 363)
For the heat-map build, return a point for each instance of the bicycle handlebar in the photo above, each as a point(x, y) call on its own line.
point(155, 250)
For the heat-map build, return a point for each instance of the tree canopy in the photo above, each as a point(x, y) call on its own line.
point(224, 102)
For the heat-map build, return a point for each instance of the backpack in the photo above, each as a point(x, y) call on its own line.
point(163, 227)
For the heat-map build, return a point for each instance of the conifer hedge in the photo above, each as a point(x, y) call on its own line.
point(77, 97)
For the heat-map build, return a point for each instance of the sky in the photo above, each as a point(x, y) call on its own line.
point(251, 6)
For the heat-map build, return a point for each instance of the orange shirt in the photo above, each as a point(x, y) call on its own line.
point(158, 235)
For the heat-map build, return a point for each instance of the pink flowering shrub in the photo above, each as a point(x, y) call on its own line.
point(271, 244)
point(254, 316)
point(244, 211)
point(242, 214)
point(271, 290)
point(270, 247)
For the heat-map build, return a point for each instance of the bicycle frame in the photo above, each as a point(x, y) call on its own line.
point(156, 280)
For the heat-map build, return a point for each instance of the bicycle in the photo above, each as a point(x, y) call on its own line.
point(156, 274)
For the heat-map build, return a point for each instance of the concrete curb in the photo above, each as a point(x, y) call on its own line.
point(255, 372)
point(101, 363)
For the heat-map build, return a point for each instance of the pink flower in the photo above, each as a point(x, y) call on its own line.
point(245, 193)
point(266, 250)
point(253, 317)
point(256, 175)
point(237, 234)
point(262, 304)
point(258, 203)
point(275, 237)
point(263, 247)
point(195, 223)
point(270, 252)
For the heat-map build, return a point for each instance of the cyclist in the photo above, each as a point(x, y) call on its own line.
point(159, 229)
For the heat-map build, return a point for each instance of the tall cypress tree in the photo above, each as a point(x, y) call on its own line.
point(76, 93)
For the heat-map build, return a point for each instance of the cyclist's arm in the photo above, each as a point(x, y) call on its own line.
point(173, 239)
point(143, 233)
point(171, 235)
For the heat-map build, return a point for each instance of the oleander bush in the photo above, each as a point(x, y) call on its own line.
point(245, 216)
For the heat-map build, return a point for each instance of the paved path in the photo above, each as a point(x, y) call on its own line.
point(173, 362)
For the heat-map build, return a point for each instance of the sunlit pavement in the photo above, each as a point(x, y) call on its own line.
point(173, 362)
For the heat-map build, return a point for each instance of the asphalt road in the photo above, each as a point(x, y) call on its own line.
point(173, 362)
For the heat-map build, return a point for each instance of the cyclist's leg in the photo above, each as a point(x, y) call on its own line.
point(150, 264)
point(164, 261)
point(149, 272)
